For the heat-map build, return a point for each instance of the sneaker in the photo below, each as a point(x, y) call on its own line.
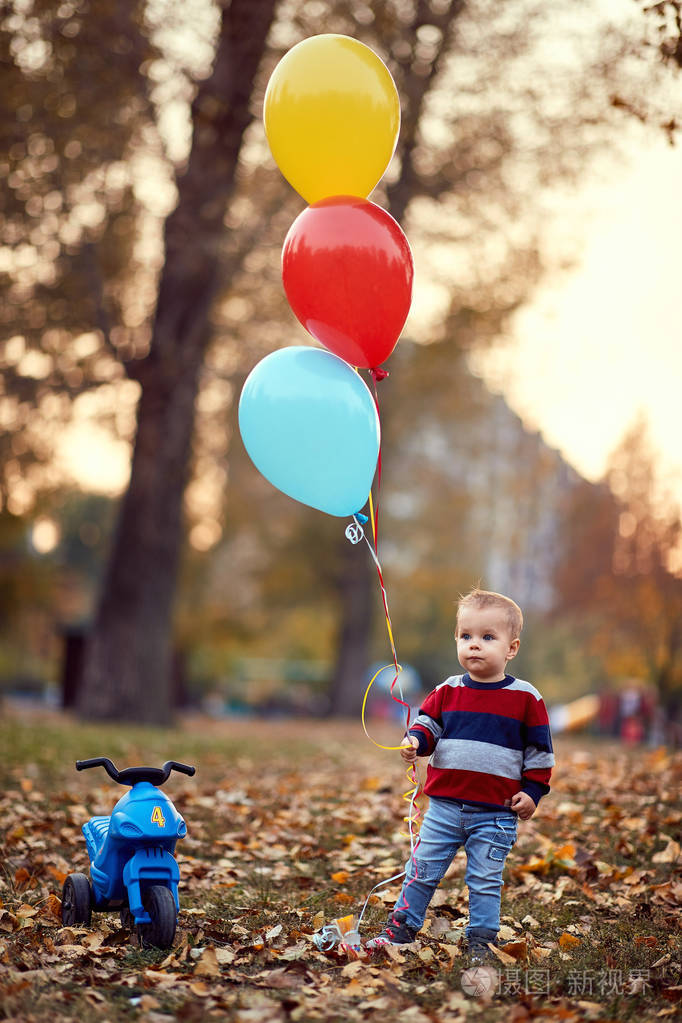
point(396, 932)
point(480, 951)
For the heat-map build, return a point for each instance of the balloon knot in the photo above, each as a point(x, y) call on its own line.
point(361, 518)
point(378, 373)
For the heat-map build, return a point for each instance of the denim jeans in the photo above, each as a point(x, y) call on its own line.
point(487, 836)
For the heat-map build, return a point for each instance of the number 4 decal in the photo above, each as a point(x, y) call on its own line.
point(158, 817)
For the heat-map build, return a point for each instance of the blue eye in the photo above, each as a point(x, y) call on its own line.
point(488, 635)
point(465, 635)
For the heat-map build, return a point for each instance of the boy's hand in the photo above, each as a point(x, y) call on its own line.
point(408, 749)
point(523, 805)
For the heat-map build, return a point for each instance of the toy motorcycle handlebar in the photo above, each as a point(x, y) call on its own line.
point(132, 775)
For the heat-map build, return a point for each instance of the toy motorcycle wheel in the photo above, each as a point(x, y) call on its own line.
point(160, 904)
point(76, 900)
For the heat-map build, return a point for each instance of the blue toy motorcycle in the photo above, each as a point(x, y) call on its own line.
point(132, 867)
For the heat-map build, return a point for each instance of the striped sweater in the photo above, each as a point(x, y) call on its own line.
point(487, 741)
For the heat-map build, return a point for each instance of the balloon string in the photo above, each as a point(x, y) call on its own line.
point(377, 374)
point(364, 705)
point(414, 813)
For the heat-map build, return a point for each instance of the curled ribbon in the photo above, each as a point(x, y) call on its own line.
point(412, 818)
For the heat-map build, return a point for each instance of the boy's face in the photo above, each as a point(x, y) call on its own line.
point(484, 643)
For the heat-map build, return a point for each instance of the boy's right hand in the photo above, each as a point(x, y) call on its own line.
point(408, 749)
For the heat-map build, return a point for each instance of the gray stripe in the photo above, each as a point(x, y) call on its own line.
point(535, 758)
point(427, 722)
point(467, 755)
point(454, 682)
point(519, 685)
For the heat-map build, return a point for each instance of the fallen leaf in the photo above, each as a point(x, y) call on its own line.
point(670, 854)
point(200, 989)
point(21, 877)
point(207, 966)
point(52, 908)
point(295, 952)
point(225, 956)
point(25, 911)
point(8, 921)
point(516, 949)
point(503, 956)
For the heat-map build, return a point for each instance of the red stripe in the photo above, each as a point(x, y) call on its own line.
point(517, 704)
point(470, 785)
point(541, 774)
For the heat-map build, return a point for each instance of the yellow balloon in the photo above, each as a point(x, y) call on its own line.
point(332, 117)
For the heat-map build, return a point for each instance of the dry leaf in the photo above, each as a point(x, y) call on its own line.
point(52, 908)
point(200, 989)
point(451, 951)
point(500, 954)
point(207, 965)
point(25, 911)
point(516, 949)
point(352, 969)
point(670, 854)
point(295, 952)
point(225, 956)
point(21, 877)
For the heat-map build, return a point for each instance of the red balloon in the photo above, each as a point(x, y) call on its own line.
point(347, 272)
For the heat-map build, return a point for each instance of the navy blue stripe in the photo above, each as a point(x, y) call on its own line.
point(469, 682)
point(494, 728)
point(535, 789)
point(540, 736)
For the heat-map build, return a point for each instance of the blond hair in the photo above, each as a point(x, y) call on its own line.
point(486, 598)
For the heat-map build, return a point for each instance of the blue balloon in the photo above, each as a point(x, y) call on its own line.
point(310, 426)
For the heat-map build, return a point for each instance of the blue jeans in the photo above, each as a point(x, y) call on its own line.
point(487, 836)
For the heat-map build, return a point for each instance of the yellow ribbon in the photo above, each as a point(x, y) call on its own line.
point(364, 704)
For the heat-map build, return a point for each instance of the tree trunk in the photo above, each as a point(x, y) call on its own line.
point(128, 661)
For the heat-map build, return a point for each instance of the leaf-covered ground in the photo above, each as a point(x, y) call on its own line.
point(290, 825)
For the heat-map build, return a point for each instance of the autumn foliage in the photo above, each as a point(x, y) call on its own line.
point(289, 827)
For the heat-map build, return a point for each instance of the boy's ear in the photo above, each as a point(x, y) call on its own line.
point(513, 648)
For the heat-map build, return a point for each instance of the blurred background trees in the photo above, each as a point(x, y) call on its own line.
point(139, 247)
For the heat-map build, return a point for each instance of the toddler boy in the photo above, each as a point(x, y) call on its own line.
point(488, 737)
